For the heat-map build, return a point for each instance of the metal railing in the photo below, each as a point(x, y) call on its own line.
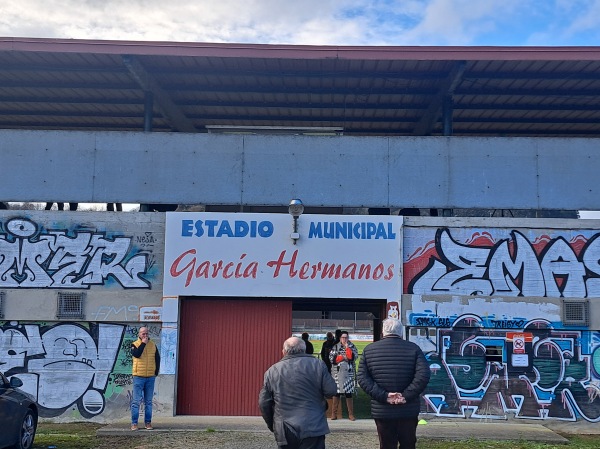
point(330, 325)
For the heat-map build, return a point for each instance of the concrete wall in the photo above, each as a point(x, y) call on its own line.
point(115, 259)
point(80, 368)
point(439, 172)
point(476, 286)
point(468, 285)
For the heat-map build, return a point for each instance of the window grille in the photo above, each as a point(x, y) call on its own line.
point(494, 353)
point(424, 332)
point(70, 305)
point(576, 313)
point(2, 295)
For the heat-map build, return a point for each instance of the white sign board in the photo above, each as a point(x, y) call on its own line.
point(335, 256)
point(520, 360)
point(151, 314)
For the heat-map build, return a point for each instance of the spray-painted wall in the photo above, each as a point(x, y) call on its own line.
point(81, 368)
point(485, 300)
point(78, 370)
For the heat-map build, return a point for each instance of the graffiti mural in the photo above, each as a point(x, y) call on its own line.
point(63, 364)
point(33, 257)
point(486, 310)
point(536, 373)
point(71, 367)
point(467, 261)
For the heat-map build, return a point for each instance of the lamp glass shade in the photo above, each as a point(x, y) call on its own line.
point(296, 208)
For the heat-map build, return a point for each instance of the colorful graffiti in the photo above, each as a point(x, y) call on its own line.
point(71, 366)
point(496, 348)
point(51, 258)
point(536, 373)
point(502, 262)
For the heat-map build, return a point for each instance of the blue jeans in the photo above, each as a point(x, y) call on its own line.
point(142, 386)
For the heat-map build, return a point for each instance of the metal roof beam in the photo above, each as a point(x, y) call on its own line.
point(117, 101)
point(307, 90)
point(288, 90)
point(527, 92)
point(208, 88)
point(418, 75)
point(430, 117)
point(164, 102)
point(30, 125)
point(525, 107)
point(275, 120)
point(554, 120)
point(8, 67)
point(70, 85)
point(356, 74)
point(233, 73)
point(543, 132)
point(537, 75)
point(46, 125)
point(347, 105)
point(74, 114)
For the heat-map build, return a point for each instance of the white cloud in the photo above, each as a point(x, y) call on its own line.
point(586, 19)
point(319, 22)
point(267, 21)
point(459, 22)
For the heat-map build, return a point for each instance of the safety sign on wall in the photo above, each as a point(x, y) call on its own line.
point(519, 356)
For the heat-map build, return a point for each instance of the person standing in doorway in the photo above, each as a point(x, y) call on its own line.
point(394, 372)
point(338, 334)
point(309, 346)
point(343, 357)
point(325, 350)
point(146, 362)
point(292, 399)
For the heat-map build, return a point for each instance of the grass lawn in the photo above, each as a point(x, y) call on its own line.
point(579, 442)
point(66, 436)
point(83, 436)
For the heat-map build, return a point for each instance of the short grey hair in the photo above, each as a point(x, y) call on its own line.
point(294, 345)
point(392, 326)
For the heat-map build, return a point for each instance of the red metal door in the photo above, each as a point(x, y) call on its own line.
point(225, 346)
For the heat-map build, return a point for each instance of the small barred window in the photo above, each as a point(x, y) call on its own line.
point(70, 305)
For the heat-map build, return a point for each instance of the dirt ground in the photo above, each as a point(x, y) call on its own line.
point(225, 440)
point(83, 436)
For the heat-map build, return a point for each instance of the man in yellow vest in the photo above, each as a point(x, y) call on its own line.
point(146, 361)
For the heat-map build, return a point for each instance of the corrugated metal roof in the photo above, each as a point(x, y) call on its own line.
point(494, 91)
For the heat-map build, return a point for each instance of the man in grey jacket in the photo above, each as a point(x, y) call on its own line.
point(292, 399)
point(394, 372)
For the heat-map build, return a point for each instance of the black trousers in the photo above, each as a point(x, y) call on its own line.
point(392, 432)
point(306, 443)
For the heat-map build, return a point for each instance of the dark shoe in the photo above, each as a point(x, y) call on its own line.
point(149, 426)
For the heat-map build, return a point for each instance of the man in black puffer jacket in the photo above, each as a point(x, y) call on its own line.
point(394, 372)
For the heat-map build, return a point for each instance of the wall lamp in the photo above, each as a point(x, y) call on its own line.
point(295, 209)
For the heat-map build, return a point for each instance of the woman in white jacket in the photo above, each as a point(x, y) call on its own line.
point(343, 357)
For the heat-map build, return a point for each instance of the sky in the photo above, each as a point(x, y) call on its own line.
point(310, 22)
